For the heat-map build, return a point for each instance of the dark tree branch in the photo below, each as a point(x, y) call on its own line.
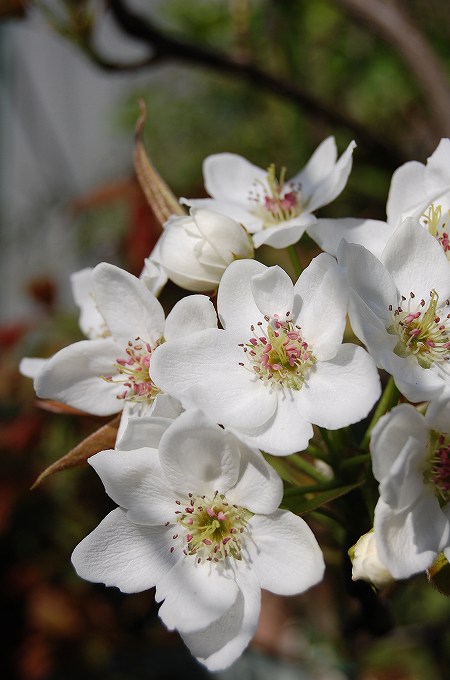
point(395, 27)
point(164, 48)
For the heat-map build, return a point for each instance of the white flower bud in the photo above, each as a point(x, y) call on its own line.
point(366, 563)
point(196, 250)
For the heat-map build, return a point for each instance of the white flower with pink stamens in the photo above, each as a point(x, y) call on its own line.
point(273, 210)
point(278, 365)
point(411, 461)
point(400, 308)
point(199, 519)
point(103, 375)
point(417, 190)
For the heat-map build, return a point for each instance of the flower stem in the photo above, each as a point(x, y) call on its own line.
point(388, 399)
point(295, 261)
point(307, 468)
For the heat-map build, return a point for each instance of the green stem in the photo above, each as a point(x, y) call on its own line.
point(356, 460)
point(388, 399)
point(307, 468)
point(295, 261)
point(311, 488)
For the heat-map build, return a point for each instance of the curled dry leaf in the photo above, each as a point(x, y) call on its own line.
point(101, 439)
point(161, 199)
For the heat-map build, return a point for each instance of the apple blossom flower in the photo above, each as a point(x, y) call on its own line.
point(366, 565)
point(102, 375)
point(199, 519)
point(417, 190)
point(195, 251)
point(399, 307)
point(411, 461)
point(278, 364)
point(275, 211)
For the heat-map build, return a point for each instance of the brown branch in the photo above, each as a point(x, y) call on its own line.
point(393, 25)
point(165, 47)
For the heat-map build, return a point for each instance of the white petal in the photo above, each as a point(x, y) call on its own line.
point(30, 366)
point(153, 275)
point(144, 432)
point(284, 553)
point(284, 234)
point(391, 433)
point(236, 304)
point(372, 234)
point(122, 554)
point(195, 595)
point(341, 391)
point(182, 252)
point(236, 211)
point(273, 292)
point(135, 481)
point(370, 279)
point(226, 236)
point(322, 292)
point(230, 177)
point(259, 488)
point(438, 413)
point(198, 456)
point(437, 172)
point(286, 432)
point(128, 307)
point(74, 376)
point(408, 542)
point(318, 167)
point(330, 186)
point(404, 483)
point(407, 190)
point(91, 321)
point(417, 262)
point(192, 313)
point(221, 643)
point(202, 370)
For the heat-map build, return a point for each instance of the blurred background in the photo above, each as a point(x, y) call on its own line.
point(266, 79)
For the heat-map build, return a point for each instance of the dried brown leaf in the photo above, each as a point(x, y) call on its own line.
point(58, 407)
point(101, 439)
point(161, 199)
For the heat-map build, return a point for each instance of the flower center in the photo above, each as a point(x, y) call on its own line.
point(436, 223)
point(437, 471)
point(279, 355)
point(424, 333)
point(277, 202)
point(134, 373)
point(212, 527)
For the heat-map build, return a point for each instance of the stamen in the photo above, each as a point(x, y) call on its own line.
point(275, 201)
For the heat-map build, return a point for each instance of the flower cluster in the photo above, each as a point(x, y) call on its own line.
point(206, 393)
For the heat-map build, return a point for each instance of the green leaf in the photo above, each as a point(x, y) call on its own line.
point(302, 503)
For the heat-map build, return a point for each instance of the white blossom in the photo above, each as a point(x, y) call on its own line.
point(417, 190)
point(411, 461)
point(199, 519)
point(278, 364)
point(195, 251)
point(275, 210)
point(366, 564)
point(399, 307)
point(102, 375)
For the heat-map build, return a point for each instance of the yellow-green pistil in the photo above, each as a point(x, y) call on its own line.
point(212, 528)
point(279, 355)
point(422, 333)
point(277, 202)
